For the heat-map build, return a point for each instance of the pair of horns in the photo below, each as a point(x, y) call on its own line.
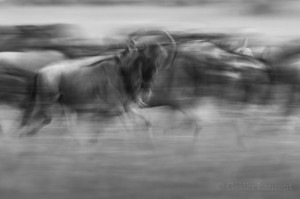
point(133, 38)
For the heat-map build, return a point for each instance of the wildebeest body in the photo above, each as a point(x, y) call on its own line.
point(81, 84)
point(102, 86)
point(94, 88)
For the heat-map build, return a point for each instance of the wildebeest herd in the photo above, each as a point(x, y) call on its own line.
point(151, 68)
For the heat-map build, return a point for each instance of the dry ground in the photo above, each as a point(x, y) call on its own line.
point(172, 165)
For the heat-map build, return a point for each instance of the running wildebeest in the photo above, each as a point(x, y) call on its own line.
point(104, 86)
point(19, 61)
point(15, 89)
point(17, 71)
point(254, 72)
point(285, 70)
point(180, 87)
point(200, 68)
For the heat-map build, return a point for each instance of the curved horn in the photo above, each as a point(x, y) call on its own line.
point(174, 49)
point(171, 57)
point(245, 43)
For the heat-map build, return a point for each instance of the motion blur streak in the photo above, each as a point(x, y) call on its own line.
point(224, 113)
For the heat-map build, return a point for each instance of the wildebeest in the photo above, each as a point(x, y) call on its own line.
point(200, 68)
point(180, 87)
point(17, 70)
point(285, 70)
point(254, 72)
point(15, 89)
point(104, 86)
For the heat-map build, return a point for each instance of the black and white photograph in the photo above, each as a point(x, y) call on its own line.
point(149, 99)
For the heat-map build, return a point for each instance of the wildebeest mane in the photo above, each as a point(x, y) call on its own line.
point(132, 74)
point(105, 58)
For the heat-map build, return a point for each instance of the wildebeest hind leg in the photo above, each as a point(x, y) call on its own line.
point(40, 118)
point(27, 114)
point(34, 128)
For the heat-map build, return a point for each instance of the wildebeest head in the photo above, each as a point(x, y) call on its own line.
point(141, 61)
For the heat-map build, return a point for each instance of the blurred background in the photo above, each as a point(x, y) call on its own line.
point(172, 164)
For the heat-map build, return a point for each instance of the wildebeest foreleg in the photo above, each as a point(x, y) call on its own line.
point(194, 120)
point(140, 115)
point(191, 118)
point(131, 113)
point(148, 124)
